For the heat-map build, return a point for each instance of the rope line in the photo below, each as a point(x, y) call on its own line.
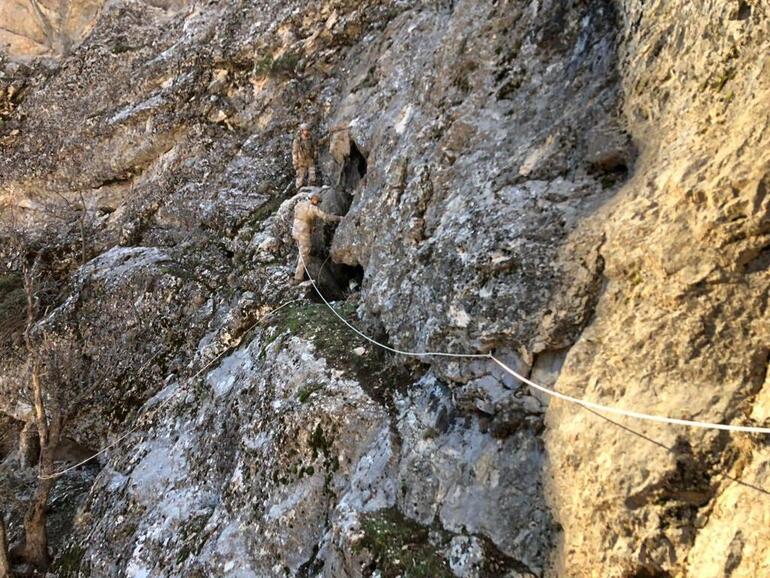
point(630, 413)
point(382, 345)
point(109, 446)
point(589, 405)
point(672, 450)
point(546, 390)
point(197, 374)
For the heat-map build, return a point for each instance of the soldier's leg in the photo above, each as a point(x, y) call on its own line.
point(311, 176)
point(301, 176)
point(304, 253)
point(299, 272)
point(338, 180)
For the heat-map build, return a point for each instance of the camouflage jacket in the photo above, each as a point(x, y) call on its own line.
point(303, 152)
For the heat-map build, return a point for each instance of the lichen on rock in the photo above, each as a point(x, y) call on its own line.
point(580, 188)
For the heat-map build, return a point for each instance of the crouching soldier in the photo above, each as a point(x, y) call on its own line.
point(303, 153)
point(305, 214)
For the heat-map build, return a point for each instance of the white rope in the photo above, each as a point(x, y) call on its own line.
point(631, 413)
point(197, 374)
point(106, 448)
point(546, 390)
point(382, 345)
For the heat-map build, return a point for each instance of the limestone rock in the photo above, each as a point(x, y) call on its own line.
point(579, 188)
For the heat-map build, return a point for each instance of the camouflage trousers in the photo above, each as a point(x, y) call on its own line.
point(303, 172)
point(303, 245)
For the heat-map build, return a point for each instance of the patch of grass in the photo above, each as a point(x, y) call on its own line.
point(375, 370)
point(314, 321)
point(284, 65)
point(335, 341)
point(305, 392)
point(262, 65)
point(719, 82)
point(319, 442)
point(636, 278)
point(67, 564)
point(401, 547)
point(12, 305)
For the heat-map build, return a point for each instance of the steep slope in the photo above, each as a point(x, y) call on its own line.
point(681, 328)
point(37, 27)
point(576, 183)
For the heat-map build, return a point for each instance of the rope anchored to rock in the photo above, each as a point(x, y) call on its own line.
point(542, 388)
point(197, 374)
point(591, 406)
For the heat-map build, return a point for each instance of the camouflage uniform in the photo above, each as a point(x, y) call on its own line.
point(8, 92)
point(303, 153)
point(305, 213)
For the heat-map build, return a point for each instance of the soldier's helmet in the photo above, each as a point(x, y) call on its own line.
point(304, 126)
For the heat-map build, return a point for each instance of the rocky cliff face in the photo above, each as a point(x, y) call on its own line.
point(580, 188)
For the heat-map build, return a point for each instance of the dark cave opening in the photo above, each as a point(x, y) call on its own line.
point(335, 281)
point(743, 12)
point(354, 169)
point(354, 274)
point(613, 176)
point(352, 173)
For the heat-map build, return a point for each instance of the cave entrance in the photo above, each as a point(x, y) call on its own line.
point(335, 281)
point(353, 169)
point(351, 174)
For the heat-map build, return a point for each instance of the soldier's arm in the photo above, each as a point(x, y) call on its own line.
point(327, 217)
point(294, 152)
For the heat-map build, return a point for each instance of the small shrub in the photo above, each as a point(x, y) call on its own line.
point(12, 306)
point(284, 65)
point(305, 393)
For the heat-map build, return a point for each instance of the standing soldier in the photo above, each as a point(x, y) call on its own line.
point(305, 214)
point(303, 153)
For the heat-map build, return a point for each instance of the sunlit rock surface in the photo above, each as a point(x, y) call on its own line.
point(580, 188)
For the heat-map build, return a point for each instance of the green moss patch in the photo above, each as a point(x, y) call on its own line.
point(401, 547)
point(376, 370)
point(305, 393)
point(285, 65)
point(67, 564)
point(12, 305)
